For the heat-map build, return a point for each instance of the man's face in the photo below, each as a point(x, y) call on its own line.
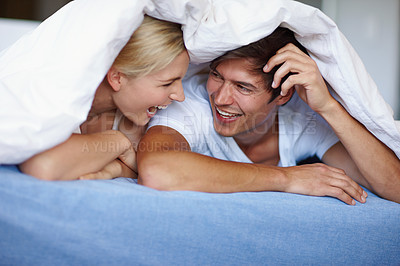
point(238, 99)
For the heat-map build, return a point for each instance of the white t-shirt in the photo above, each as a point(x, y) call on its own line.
point(302, 132)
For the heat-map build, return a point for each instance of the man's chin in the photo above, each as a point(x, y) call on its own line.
point(224, 131)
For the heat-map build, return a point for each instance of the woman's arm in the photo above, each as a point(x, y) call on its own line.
point(165, 162)
point(360, 154)
point(79, 155)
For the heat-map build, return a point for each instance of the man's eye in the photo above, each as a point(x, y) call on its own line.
point(215, 74)
point(244, 90)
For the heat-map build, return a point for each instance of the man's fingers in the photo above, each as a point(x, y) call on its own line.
point(290, 47)
point(340, 194)
point(334, 182)
point(353, 190)
point(284, 55)
point(342, 175)
point(339, 179)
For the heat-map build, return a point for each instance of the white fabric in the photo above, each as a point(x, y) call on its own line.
point(117, 120)
point(302, 133)
point(48, 78)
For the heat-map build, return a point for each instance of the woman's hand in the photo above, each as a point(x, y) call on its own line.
point(128, 158)
point(305, 78)
point(124, 166)
point(112, 170)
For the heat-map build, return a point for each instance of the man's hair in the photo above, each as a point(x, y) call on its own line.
point(259, 52)
point(152, 47)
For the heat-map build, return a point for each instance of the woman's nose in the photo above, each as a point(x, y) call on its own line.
point(178, 94)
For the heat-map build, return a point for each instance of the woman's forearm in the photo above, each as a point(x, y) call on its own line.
point(79, 155)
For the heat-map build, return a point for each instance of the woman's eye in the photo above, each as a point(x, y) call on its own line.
point(168, 84)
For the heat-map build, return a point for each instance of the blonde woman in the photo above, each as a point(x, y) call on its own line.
point(145, 76)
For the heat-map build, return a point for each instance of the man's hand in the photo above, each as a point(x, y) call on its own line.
point(322, 180)
point(305, 78)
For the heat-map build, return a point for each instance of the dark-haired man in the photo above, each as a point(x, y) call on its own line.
point(245, 126)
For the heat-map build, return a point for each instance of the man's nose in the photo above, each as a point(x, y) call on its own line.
point(223, 96)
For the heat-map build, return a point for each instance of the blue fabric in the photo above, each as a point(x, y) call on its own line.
point(117, 222)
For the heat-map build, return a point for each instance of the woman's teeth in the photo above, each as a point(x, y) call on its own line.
point(152, 110)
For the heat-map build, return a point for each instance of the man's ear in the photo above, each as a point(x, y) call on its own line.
point(281, 100)
point(114, 79)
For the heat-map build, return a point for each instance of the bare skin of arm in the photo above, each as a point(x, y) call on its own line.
point(165, 162)
point(84, 154)
point(125, 165)
point(366, 159)
point(362, 156)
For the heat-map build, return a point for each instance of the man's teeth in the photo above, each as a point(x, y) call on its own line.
point(161, 107)
point(222, 113)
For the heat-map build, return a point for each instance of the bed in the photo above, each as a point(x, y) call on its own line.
point(118, 222)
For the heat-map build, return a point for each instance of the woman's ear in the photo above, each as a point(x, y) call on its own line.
point(281, 100)
point(114, 79)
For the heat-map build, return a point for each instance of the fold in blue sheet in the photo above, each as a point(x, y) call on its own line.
point(117, 222)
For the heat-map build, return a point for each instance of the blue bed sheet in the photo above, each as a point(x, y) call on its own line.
point(118, 222)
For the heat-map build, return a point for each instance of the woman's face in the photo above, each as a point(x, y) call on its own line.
point(140, 98)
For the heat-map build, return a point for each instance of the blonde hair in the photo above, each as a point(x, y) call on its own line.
point(153, 46)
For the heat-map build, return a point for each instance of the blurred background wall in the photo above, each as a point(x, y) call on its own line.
point(371, 26)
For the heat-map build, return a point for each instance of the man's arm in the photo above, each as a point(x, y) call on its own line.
point(165, 162)
point(360, 154)
point(81, 155)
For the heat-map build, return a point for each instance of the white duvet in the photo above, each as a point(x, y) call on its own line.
point(48, 78)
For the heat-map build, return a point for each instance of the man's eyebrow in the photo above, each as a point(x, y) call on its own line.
point(244, 84)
